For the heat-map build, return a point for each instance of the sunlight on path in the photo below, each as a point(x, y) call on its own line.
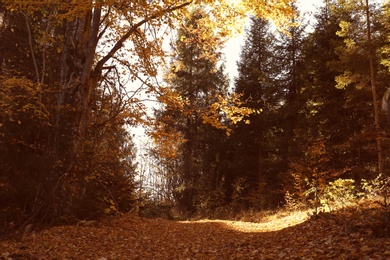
point(284, 235)
point(272, 223)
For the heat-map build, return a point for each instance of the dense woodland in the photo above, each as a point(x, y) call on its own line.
point(311, 127)
point(301, 125)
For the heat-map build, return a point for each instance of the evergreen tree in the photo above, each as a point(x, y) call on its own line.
point(196, 79)
point(255, 155)
point(292, 117)
point(339, 133)
point(321, 109)
point(271, 77)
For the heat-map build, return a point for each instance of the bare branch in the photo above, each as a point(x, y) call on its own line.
point(133, 29)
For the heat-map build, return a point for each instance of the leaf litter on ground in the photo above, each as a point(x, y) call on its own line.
point(350, 233)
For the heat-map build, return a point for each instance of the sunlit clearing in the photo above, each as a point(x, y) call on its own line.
point(275, 222)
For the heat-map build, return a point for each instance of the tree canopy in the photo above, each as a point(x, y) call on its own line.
point(66, 101)
point(301, 119)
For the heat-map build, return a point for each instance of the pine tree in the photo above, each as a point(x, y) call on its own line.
point(318, 133)
point(196, 79)
point(339, 119)
point(255, 159)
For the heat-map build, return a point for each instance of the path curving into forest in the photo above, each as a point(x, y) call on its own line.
point(348, 234)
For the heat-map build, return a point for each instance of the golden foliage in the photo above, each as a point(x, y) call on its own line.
point(318, 184)
point(227, 110)
point(168, 142)
point(21, 99)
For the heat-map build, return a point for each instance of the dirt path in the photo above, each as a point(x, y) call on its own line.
point(331, 236)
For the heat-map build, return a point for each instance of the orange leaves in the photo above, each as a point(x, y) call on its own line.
point(112, 206)
point(311, 175)
point(168, 142)
point(221, 114)
point(350, 234)
point(171, 98)
point(165, 137)
point(68, 10)
point(20, 98)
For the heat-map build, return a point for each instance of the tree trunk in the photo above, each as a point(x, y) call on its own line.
point(373, 88)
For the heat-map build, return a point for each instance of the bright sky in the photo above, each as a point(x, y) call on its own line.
point(233, 46)
point(232, 54)
point(233, 49)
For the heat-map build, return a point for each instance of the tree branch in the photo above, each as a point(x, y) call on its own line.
point(133, 29)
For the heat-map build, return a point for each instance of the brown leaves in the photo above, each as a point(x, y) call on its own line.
point(342, 235)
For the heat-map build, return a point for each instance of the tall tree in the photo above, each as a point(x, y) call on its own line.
point(357, 60)
point(338, 149)
point(319, 135)
point(197, 79)
point(255, 154)
point(65, 63)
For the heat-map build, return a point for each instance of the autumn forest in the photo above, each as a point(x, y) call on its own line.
point(302, 126)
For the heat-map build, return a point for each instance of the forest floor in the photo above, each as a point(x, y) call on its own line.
point(350, 233)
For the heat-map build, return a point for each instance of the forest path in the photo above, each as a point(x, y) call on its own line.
point(348, 234)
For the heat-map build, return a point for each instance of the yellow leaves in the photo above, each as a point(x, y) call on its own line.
point(345, 28)
point(227, 110)
point(112, 207)
point(20, 100)
point(346, 79)
point(66, 10)
point(223, 19)
point(226, 16)
point(386, 54)
point(171, 98)
point(280, 12)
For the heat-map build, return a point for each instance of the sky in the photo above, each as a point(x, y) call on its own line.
point(232, 54)
point(233, 46)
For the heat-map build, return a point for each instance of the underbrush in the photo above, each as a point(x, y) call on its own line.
point(336, 196)
point(339, 194)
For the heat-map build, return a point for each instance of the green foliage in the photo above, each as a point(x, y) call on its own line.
point(339, 193)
